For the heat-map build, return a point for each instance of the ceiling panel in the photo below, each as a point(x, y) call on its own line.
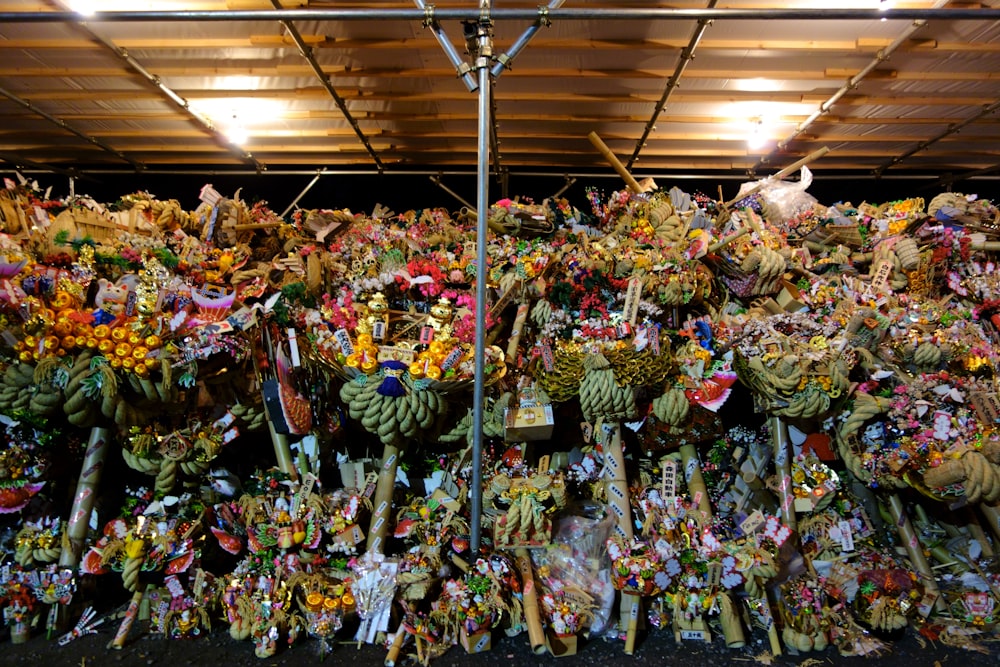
point(169, 93)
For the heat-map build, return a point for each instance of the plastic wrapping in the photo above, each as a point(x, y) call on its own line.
point(578, 559)
point(783, 200)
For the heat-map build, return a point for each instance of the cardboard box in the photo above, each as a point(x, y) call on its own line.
point(479, 642)
point(560, 646)
point(534, 422)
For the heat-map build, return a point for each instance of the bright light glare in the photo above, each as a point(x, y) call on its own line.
point(757, 137)
point(237, 134)
point(89, 7)
point(83, 7)
point(248, 110)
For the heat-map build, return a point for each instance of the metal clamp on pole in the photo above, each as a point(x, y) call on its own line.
point(462, 69)
point(504, 59)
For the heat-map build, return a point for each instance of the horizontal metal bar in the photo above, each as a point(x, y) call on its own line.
point(563, 14)
point(470, 173)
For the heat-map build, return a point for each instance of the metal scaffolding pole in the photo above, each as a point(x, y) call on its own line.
point(69, 128)
point(563, 14)
point(461, 68)
point(483, 57)
point(687, 55)
point(504, 59)
point(849, 85)
point(307, 53)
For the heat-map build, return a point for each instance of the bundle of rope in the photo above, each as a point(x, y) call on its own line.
point(601, 396)
point(976, 471)
point(866, 407)
point(391, 405)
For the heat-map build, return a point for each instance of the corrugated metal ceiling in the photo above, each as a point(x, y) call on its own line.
point(576, 76)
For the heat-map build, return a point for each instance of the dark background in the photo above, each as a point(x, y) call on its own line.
point(402, 191)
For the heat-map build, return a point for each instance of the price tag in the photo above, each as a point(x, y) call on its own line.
point(631, 309)
point(696, 635)
point(654, 340)
point(987, 406)
point(379, 329)
point(753, 522)
point(308, 482)
point(882, 273)
point(293, 348)
point(668, 486)
point(344, 341)
point(846, 536)
point(388, 463)
point(453, 358)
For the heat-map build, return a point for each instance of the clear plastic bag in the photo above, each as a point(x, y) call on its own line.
point(783, 200)
point(578, 558)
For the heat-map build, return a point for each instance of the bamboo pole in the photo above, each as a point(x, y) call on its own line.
point(613, 160)
point(83, 500)
point(379, 526)
point(632, 601)
point(912, 545)
point(992, 514)
point(783, 464)
point(617, 484)
point(815, 155)
point(515, 334)
point(133, 610)
point(529, 598)
point(977, 533)
point(397, 646)
point(282, 452)
point(732, 629)
point(695, 480)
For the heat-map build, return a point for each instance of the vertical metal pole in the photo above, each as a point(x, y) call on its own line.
point(482, 207)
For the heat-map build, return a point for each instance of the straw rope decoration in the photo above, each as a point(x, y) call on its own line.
point(672, 407)
point(13, 383)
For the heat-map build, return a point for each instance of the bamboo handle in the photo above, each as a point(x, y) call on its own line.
point(815, 155)
point(603, 149)
point(913, 549)
point(529, 597)
point(256, 225)
point(634, 606)
point(783, 464)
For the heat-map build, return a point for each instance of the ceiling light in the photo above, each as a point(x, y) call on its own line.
point(237, 133)
point(757, 137)
point(83, 7)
